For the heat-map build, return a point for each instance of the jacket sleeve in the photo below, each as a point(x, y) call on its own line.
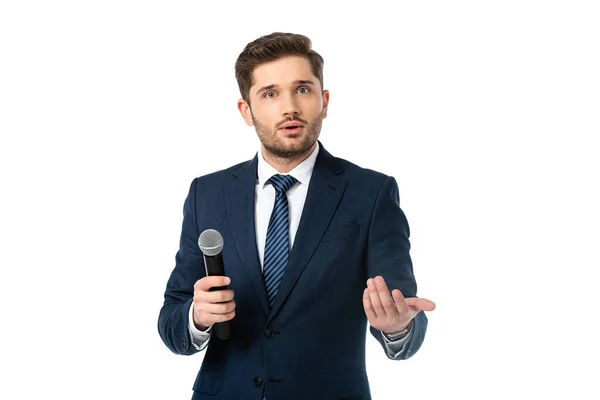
point(388, 255)
point(173, 318)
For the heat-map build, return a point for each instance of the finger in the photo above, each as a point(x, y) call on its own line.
point(421, 304)
point(400, 301)
point(217, 296)
point(224, 317)
point(368, 306)
point(375, 300)
point(208, 282)
point(218, 308)
point(211, 319)
point(385, 298)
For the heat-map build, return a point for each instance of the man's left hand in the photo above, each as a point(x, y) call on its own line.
point(391, 313)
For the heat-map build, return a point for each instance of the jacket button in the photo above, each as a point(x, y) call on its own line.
point(269, 333)
point(257, 381)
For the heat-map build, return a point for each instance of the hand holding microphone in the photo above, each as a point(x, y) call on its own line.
point(213, 302)
point(212, 306)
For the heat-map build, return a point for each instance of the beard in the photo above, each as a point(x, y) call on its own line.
point(277, 146)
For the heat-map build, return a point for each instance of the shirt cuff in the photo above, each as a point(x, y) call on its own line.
point(199, 338)
point(397, 347)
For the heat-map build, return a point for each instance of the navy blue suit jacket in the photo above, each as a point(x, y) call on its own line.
point(311, 344)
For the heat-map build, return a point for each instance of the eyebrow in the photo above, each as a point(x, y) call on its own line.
point(296, 82)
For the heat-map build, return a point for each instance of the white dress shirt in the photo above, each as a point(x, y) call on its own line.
point(264, 201)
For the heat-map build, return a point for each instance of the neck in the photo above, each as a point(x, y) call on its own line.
point(286, 164)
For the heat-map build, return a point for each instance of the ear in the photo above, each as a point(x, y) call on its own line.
point(325, 102)
point(245, 110)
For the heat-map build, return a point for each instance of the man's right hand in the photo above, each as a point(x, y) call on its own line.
point(212, 307)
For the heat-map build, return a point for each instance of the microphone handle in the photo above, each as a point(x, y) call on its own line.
point(214, 267)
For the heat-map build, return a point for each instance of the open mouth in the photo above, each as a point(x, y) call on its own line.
point(293, 128)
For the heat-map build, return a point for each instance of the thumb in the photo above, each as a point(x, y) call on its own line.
point(420, 303)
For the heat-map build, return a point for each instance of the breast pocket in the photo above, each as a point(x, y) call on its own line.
point(341, 232)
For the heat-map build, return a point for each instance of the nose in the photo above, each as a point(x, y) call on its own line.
point(290, 106)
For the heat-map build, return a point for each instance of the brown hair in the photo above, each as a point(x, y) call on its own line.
point(271, 48)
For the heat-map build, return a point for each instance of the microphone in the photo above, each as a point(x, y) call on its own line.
point(211, 244)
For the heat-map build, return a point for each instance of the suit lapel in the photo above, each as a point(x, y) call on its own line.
point(239, 200)
point(324, 194)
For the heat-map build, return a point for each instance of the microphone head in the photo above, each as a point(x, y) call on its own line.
point(210, 242)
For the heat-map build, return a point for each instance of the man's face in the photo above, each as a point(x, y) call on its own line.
point(286, 91)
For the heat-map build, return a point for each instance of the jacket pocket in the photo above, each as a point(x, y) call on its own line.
point(207, 381)
point(346, 385)
point(340, 233)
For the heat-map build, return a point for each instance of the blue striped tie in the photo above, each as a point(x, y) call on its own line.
point(277, 246)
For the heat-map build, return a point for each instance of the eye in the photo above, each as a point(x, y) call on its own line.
point(267, 95)
point(306, 90)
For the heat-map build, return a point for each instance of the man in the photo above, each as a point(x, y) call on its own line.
point(313, 245)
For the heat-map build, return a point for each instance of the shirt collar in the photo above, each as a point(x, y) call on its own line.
point(302, 172)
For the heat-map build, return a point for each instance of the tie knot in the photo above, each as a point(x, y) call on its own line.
point(282, 183)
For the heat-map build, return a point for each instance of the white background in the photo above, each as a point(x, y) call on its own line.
point(487, 114)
